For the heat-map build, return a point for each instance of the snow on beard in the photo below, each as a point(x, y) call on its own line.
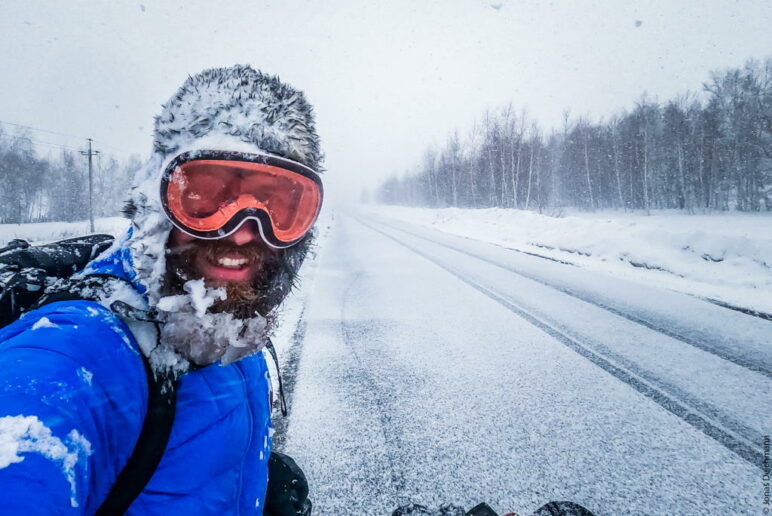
point(224, 322)
point(244, 298)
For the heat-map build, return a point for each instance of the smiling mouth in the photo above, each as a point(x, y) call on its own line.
point(227, 267)
point(228, 262)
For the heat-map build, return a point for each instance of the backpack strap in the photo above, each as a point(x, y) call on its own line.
point(159, 418)
point(150, 447)
point(282, 399)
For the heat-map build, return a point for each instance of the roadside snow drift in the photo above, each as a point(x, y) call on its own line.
point(726, 257)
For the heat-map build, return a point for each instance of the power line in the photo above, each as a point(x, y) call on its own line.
point(43, 130)
point(104, 144)
point(114, 149)
point(59, 145)
point(66, 147)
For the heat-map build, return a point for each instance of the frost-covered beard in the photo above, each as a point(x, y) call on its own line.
point(244, 299)
point(210, 321)
point(203, 337)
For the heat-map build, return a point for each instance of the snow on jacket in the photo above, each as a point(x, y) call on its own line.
point(73, 396)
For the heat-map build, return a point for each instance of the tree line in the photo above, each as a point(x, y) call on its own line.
point(706, 150)
point(54, 186)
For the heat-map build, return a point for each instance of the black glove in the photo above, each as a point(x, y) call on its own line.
point(287, 493)
point(414, 509)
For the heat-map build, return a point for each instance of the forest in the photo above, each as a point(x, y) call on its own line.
point(704, 150)
point(53, 186)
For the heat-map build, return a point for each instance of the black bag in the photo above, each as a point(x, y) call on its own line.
point(287, 493)
point(26, 271)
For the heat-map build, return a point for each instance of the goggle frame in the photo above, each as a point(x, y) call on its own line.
point(260, 215)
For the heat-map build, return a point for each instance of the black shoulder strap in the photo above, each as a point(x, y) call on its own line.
point(282, 399)
point(150, 446)
point(153, 437)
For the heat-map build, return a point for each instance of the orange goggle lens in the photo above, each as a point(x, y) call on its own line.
point(205, 195)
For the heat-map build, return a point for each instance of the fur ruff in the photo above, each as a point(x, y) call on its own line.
point(236, 109)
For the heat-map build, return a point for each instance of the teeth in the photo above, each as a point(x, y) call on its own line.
point(232, 263)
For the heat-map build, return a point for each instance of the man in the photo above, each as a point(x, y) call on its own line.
point(180, 306)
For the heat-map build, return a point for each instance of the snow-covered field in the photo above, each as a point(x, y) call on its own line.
point(721, 256)
point(43, 232)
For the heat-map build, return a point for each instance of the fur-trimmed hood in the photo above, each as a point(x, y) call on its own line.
point(233, 109)
point(242, 103)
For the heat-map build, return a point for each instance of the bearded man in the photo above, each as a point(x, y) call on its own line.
point(221, 220)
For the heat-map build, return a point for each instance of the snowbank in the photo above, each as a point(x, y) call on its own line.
point(722, 256)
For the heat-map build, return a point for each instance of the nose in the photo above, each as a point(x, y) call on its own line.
point(247, 233)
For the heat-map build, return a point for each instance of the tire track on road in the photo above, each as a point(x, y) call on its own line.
point(708, 348)
point(740, 445)
point(381, 406)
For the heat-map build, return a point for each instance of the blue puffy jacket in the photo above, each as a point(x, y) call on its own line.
point(73, 395)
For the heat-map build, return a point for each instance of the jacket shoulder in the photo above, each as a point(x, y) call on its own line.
point(72, 373)
point(76, 328)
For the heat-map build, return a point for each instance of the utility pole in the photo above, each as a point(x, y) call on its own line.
point(90, 153)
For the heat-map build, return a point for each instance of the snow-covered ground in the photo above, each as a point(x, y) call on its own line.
point(721, 256)
point(436, 369)
point(289, 333)
point(43, 232)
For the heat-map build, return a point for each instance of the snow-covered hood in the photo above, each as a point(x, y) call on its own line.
point(232, 109)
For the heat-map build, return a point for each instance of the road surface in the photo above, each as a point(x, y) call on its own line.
point(432, 369)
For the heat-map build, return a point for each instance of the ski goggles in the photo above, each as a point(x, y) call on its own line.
point(210, 194)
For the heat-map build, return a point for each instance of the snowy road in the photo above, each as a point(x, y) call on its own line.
point(438, 369)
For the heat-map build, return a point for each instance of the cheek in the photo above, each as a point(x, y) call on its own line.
point(177, 237)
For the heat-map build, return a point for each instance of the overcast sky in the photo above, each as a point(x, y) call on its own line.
point(387, 78)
